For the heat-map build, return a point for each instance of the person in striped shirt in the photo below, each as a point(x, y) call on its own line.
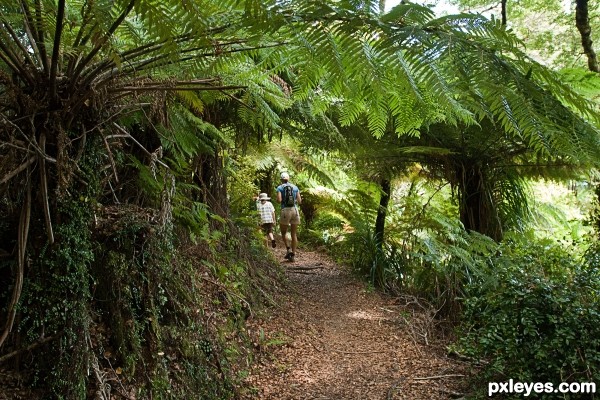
point(267, 216)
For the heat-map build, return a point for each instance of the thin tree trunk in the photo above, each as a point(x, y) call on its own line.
point(386, 187)
point(582, 22)
point(503, 12)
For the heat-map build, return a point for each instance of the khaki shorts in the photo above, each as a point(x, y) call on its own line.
point(289, 215)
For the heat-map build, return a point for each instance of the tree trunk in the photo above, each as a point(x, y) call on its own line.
point(208, 175)
point(386, 187)
point(477, 209)
point(582, 22)
point(266, 181)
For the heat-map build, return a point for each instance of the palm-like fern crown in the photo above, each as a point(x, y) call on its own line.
point(405, 67)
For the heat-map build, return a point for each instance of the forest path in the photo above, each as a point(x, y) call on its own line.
point(330, 338)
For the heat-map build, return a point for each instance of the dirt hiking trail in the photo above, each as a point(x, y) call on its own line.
point(330, 338)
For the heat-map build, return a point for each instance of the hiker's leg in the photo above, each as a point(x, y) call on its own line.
point(283, 229)
point(271, 237)
point(294, 222)
point(284, 221)
point(266, 232)
point(294, 231)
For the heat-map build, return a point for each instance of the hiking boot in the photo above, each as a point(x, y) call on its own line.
point(287, 254)
point(273, 243)
point(291, 258)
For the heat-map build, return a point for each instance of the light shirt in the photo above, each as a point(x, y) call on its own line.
point(266, 211)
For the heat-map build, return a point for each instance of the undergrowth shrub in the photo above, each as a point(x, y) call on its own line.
point(439, 258)
point(173, 319)
point(374, 260)
point(325, 230)
point(330, 225)
point(535, 317)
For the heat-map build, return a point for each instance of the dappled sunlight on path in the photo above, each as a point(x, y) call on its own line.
point(333, 339)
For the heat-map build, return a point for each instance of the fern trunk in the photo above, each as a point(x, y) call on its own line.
point(384, 201)
point(582, 22)
point(209, 177)
point(477, 209)
point(266, 180)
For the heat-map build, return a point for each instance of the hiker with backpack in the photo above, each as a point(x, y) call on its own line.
point(288, 195)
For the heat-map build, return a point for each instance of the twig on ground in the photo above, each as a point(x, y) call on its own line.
point(452, 393)
point(427, 378)
point(315, 347)
point(304, 268)
point(412, 334)
point(359, 352)
point(104, 388)
point(28, 348)
point(409, 300)
point(422, 322)
point(118, 379)
point(462, 358)
point(394, 387)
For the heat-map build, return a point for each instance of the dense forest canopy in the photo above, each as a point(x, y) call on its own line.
point(129, 130)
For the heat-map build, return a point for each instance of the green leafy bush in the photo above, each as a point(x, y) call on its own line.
point(370, 257)
point(326, 229)
point(535, 318)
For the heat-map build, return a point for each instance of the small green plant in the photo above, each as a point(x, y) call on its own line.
point(278, 339)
